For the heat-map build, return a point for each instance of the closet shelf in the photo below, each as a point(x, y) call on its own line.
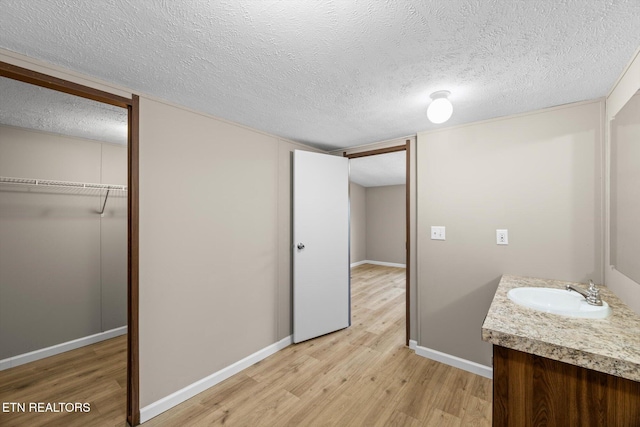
point(66, 184)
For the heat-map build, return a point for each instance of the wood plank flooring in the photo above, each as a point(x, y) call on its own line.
point(95, 374)
point(360, 376)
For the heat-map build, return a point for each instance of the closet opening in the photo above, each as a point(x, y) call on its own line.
point(72, 215)
point(391, 180)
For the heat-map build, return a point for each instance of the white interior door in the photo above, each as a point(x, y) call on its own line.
point(321, 273)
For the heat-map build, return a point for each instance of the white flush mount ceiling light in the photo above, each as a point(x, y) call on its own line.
point(440, 109)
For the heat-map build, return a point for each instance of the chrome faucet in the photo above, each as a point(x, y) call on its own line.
point(592, 295)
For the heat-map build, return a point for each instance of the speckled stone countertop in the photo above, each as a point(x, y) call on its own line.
point(610, 345)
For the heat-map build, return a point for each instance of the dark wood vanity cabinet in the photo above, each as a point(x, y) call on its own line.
point(530, 390)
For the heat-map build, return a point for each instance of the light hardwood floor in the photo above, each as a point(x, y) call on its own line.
point(95, 374)
point(360, 376)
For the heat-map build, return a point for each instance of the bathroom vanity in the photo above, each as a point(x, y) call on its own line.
point(553, 370)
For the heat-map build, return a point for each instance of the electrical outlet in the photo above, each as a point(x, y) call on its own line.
point(502, 237)
point(437, 233)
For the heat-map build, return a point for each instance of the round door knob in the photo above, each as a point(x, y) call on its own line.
point(300, 245)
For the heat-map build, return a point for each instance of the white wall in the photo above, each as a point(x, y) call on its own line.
point(537, 175)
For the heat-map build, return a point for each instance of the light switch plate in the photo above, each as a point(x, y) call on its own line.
point(502, 237)
point(437, 233)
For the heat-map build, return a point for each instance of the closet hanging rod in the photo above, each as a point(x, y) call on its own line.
point(66, 184)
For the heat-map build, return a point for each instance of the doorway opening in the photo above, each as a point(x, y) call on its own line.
point(131, 107)
point(407, 252)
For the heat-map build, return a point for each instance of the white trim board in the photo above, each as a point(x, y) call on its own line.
point(457, 362)
point(32, 356)
point(355, 264)
point(168, 402)
point(413, 344)
point(386, 264)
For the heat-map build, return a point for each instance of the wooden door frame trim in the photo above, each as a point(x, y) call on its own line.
point(406, 147)
point(375, 152)
point(132, 105)
point(133, 203)
point(50, 82)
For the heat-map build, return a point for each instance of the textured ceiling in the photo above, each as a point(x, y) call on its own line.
point(337, 73)
point(33, 107)
point(379, 170)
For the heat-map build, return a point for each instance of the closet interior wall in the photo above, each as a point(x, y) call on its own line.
point(63, 266)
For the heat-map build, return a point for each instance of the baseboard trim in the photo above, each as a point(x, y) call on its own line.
point(168, 402)
point(32, 356)
point(457, 362)
point(413, 344)
point(386, 264)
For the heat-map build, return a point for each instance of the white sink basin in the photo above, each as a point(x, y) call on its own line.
point(558, 301)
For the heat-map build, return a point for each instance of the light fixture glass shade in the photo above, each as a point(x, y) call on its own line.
point(440, 109)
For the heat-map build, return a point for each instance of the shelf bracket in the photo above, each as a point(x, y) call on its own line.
point(105, 202)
